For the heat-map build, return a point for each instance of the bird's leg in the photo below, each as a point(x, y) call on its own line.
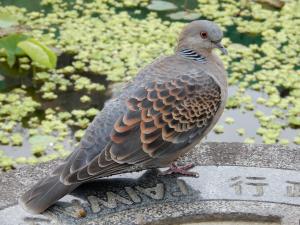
point(182, 170)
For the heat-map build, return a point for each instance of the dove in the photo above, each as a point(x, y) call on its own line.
point(160, 115)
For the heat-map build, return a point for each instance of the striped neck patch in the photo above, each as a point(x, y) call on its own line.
point(191, 54)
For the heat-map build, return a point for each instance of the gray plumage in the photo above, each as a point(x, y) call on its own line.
point(164, 112)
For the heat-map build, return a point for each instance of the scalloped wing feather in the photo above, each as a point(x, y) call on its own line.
point(159, 118)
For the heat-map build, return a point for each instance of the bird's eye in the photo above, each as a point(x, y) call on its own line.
point(203, 35)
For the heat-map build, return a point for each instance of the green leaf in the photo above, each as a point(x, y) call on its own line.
point(39, 53)
point(51, 54)
point(183, 15)
point(161, 6)
point(9, 44)
point(7, 20)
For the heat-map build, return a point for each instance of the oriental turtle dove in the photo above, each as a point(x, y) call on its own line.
point(161, 114)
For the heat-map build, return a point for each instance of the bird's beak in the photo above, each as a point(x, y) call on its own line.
point(222, 48)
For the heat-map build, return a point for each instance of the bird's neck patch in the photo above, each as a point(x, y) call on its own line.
point(191, 54)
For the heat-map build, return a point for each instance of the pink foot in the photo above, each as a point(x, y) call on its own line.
point(182, 170)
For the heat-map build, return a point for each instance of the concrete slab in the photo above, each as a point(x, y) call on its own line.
point(253, 184)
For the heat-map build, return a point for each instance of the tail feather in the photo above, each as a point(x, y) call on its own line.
point(44, 194)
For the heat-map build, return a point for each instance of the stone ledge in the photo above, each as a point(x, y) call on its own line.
point(222, 155)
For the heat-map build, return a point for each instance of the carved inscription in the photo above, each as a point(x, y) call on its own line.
point(234, 183)
point(111, 202)
point(156, 192)
point(238, 183)
point(293, 189)
point(257, 182)
point(134, 196)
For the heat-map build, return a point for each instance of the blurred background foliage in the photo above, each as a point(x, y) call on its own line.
point(60, 60)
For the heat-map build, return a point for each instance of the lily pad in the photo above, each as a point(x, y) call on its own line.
point(161, 6)
point(39, 53)
point(41, 139)
point(183, 15)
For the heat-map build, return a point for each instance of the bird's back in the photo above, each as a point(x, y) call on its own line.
point(161, 70)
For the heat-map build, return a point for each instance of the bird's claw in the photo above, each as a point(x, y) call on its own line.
point(181, 170)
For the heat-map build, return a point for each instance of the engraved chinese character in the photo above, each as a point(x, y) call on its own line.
point(237, 184)
point(259, 186)
point(293, 189)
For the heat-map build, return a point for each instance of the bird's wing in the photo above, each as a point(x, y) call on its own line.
point(159, 117)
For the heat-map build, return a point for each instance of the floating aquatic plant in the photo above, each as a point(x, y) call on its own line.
point(229, 120)
point(249, 140)
point(241, 131)
point(38, 52)
point(19, 45)
point(6, 163)
point(219, 129)
point(17, 139)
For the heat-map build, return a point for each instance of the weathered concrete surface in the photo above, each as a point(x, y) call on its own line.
point(257, 183)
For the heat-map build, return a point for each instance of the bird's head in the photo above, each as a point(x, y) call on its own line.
point(201, 35)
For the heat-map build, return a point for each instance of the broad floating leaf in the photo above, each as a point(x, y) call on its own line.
point(41, 139)
point(39, 53)
point(161, 6)
point(183, 15)
point(10, 46)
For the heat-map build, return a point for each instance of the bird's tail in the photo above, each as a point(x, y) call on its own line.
point(44, 194)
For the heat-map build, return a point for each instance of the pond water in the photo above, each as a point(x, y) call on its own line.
point(242, 119)
point(237, 124)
